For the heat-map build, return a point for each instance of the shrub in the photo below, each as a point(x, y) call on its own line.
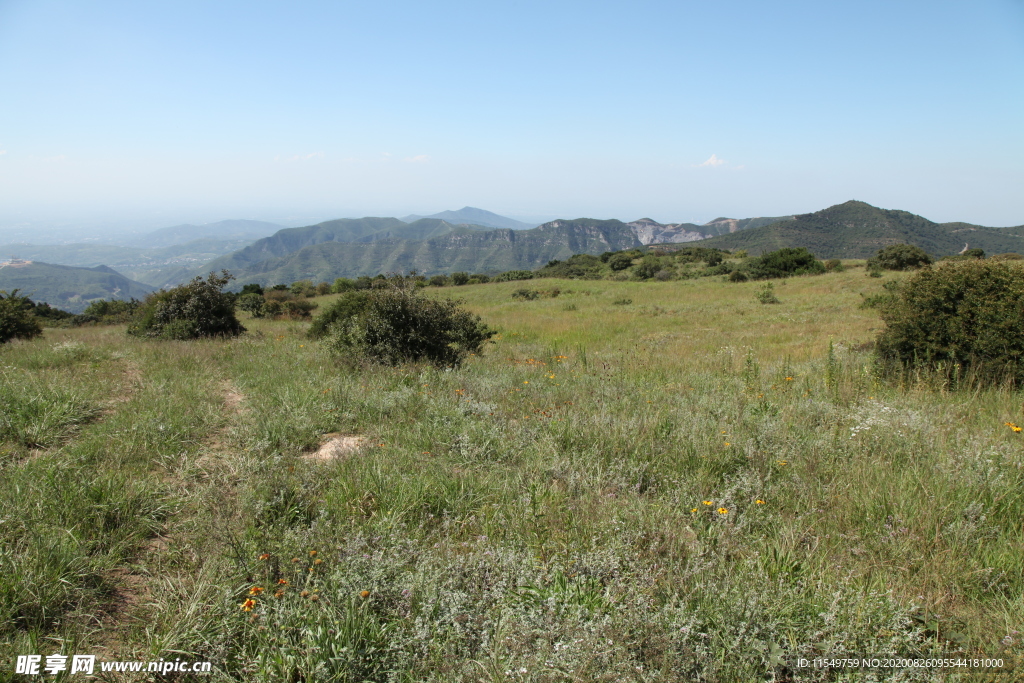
point(252, 303)
point(197, 309)
point(107, 312)
point(738, 276)
point(576, 267)
point(1009, 256)
point(899, 257)
point(620, 261)
point(648, 266)
point(438, 281)
point(525, 294)
point(513, 275)
point(342, 285)
point(766, 294)
point(786, 262)
point(480, 277)
point(399, 324)
point(459, 278)
point(713, 259)
point(323, 288)
point(622, 302)
point(16, 319)
point(834, 265)
point(967, 315)
point(346, 307)
point(297, 308)
point(252, 288)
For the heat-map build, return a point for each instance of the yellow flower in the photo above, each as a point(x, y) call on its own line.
point(248, 605)
point(759, 501)
point(318, 561)
point(264, 556)
point(693, 510)
point(723, 511)
point(364, 594)
point(255, 590)
point(279, 594)
point(708, 502)
point(727, 443)
point(781, 462)
point(789, 379)
point(282, 582)
point(312, 553)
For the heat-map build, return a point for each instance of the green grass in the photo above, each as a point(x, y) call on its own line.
point(537, 515)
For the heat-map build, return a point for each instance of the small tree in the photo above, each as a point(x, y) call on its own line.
point(899, 257)
point(459, 278)
point(197, 309)
point(620, 261)
point(252, 303)
point(964, 314)
point(16, 319)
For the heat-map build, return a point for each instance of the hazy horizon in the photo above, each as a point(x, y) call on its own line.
point(130, 117)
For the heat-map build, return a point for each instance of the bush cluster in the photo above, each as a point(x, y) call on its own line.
point(398, 324)
point(786, 262)
point(16, 319)
point(899, 257)
point(963, 317)
point(197, 309)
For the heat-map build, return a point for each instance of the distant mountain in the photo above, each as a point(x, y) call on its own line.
point(858, 230)
point(68, 287)
point(222, 230)
point(458, 248)
point(467, 215)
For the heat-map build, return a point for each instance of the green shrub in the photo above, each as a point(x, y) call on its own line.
point(620, 261)
point(524, 294)
point(104, 312)
point(738, 276)
point(342, 285)
point(438, 281)
point(399, 324)
point(648, 266)
point(190, 311)
point(480, 277)
point(834, 265)
point(786, 262)
point(346, 307)
point(899, 257)
point(459, 278)
point(16, 319)
point(252, 303)
point(251, 288)
point(622, 302)
point(766, 294)
point(964, 316)
point(513, 275)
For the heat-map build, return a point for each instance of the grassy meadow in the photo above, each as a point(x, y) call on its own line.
point(659, 481)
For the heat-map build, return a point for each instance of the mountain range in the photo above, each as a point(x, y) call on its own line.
point(468, 215)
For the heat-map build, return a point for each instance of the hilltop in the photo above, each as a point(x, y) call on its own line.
point(856, 229)
point(469, 215)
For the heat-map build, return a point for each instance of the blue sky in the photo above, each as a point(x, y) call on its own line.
point(681, 111)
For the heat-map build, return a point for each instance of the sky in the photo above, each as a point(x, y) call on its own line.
point(163, 112)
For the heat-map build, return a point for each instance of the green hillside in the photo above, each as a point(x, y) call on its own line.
point(858, 230)
point(457, 249)
point(68, 287)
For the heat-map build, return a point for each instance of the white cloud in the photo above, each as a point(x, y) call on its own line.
point(712, 161)
point(418, 159)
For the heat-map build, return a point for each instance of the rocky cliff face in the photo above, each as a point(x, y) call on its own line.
point(652, 232)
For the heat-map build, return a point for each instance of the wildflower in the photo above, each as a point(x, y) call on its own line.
point(723, 511)
point(318, 561)
point(364, 594)
point(255, 590)
point(727, 443)
point(282, 582)
point(708, 502)
point(279, 594)
point(693, 510)
point(295, 559)
point(248, 605)
point(304, 594)
point(526, 382)
point(1013, 426)
point(314, 597)
point(781, 462)
point(312, 553)
point(264, 556)
point(759, 501)
point(789, 379)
